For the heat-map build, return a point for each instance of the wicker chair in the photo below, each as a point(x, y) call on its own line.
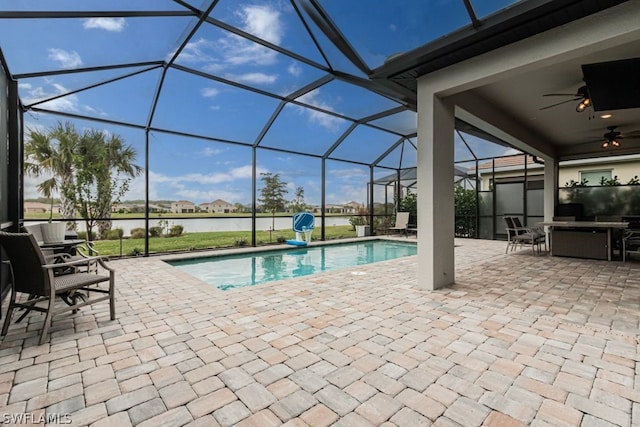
point(33, 273)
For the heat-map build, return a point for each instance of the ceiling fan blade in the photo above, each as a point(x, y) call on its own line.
point(562, 94)
point(560, 103)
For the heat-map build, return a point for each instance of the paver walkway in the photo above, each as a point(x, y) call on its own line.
point(519, 340)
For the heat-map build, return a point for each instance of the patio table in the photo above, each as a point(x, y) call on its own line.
point(583, 239)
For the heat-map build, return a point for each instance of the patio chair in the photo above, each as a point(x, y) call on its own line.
point(630, 243)
point(33, 274)
point(537, 231)
point(402, 223)
point(519, 235)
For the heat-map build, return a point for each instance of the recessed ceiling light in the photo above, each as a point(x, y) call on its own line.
point(605, 116)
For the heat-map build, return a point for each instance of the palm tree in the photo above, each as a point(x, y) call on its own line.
point(51, 154)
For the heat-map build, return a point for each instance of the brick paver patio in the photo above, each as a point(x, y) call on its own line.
point(519, 340)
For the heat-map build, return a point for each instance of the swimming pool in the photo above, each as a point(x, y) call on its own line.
point(248, 269)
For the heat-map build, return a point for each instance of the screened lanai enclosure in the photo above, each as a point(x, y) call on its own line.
point(212, 97)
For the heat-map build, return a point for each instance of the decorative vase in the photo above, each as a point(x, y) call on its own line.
point(53, 232)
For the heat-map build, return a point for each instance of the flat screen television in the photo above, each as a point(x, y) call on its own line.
point(613, 85)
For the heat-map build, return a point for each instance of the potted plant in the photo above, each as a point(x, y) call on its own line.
point(360, 222)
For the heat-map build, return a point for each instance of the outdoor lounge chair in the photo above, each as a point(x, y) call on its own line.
point(33, 274)
point(402, 223)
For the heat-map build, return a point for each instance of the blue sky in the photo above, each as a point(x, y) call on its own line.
point(201, 170)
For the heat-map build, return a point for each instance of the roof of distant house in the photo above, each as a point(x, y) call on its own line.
point(503, 162)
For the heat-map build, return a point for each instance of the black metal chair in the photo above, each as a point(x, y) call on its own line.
point(33, 274)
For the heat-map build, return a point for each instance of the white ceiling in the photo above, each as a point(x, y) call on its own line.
point(574, 134)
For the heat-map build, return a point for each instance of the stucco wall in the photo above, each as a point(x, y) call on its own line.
point(624, 170)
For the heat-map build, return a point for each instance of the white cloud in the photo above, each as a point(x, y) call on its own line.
point(31, 94)
point(94, 111)
point(196, 51)
point(65, 58)
point(31, 183)
point(255, 78)
point(108, 24)
point(262, 21)
point(294, 69)
point(209, 92)
point(329, 122)
point(239, 51)
point(231, 50)
point(208, 152)
point(196, 187)
point(349, 173)
point(346, 194)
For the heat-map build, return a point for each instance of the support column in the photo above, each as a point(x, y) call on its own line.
point(436, 213)
point(550, 187)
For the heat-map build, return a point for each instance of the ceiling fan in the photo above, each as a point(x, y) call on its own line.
point(613, 137)
point(582, 95)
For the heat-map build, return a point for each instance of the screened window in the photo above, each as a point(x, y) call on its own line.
point(594, 177)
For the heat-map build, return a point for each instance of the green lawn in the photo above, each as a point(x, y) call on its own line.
point(205, 240)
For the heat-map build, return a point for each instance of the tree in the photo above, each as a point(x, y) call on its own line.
point(91, 171)
point(298, 204)
point(465, 211)
point(409, 203)
point(101, 177)
point(51, 154)
point(272, 195)
point(119, 161)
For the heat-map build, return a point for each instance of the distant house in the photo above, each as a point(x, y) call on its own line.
point(117, 207)
point(353, 207)
point(335, 209)
point(220, 206)
point(37, 207)
point(183, 206)
point(204, 207)
point(155, 208)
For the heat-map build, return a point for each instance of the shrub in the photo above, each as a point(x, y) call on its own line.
point(361, 218)
point(176, 230)
point(138, 233)
point(155, 231)
point(83, 235)
point(135, 252)
point(281, 239)
point(241, 242)
point(115, 234)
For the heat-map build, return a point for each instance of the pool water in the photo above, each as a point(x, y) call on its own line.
point(248, 269)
